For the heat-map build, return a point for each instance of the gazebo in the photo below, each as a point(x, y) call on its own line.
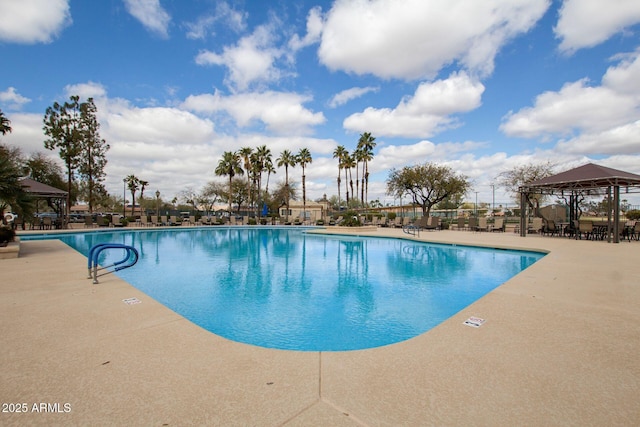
point(589, 179)
point(38, 190)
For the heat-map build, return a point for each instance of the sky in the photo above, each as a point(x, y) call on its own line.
point(479, 86)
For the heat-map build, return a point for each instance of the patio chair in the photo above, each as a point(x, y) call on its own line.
point(46, 223)
point(498, 225)
point(473, 223)
point(482, 224)
point(550, 227)
point(536, 226)
point(586, 228)
point(115, 221)
point(634, 233)
point(461, 223)
point(88, 221)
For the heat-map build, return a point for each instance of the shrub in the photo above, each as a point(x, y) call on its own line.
point(6, 235)
point(633, 214)
point(351, 219)
point(391, 216)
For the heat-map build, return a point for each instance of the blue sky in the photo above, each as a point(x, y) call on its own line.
point(479, 86)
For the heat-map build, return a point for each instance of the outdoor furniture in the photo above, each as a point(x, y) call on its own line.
point(88, 221)
point(536, 226)
point(473, 223)
point(482, 224)
point(550, 227)
point(498, 225)
point(634, 232)
point(46, 223)
point(586, 228)
point(461, 223)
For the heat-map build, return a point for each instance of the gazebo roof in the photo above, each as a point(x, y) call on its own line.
point(39, 189)
point(589, 176)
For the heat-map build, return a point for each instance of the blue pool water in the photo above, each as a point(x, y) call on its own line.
point(283, 288)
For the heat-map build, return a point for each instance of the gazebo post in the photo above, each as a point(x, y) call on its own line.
point(523, 215)
point(616, 214)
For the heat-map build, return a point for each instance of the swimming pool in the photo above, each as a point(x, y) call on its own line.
point(286, 289)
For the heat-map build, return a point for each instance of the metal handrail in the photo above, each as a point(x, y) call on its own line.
point(94, 253)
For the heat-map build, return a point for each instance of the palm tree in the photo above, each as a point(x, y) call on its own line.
point(5, 124)
point(339, 154)
point(358, 155)
point(348, 163)
point(143, 185)
point(229, 165)
point(304, 158)
point(286, 159)
point(264, 162)
point(245, 153)
point(132, 184)
point(367, 144)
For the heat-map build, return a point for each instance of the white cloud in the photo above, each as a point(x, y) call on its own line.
point(347, 95)
point(314, 30)
point(429, 111)
point(251, 60)
point(13, 99)
point(33, 21)
point(580, 108)
point(86, 90)
point(414, 39)
point(587, 23)
point(623, 139)
point(151, 15)
point(282, 113)
point(224, 14)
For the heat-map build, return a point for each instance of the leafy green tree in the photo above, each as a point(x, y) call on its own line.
point(5, 124)
point(427, 184)
point(11, 191)
point(303, 159)
point(63, 127)
point(229, 165)
point(92, 160)
point(287, 160)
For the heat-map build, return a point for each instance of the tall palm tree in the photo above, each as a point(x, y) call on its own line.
point(339, 154)
point(358, 155)
point(5, 124)
point(263, 160)
point(132, 184)
point(286, 159)
point(348, 163)
point(245, 153)
point(229, 165)
point(304, 158)
point(367, 144)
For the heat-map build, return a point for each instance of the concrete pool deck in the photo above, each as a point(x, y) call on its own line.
point(560, 346)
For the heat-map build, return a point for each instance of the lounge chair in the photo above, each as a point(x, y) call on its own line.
point(482, 224)
point(88, 221)
point(144, 221)
point(461, 223)
point(473, 223)
point(498, 225)
point(536, 226)
point(115, 221)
